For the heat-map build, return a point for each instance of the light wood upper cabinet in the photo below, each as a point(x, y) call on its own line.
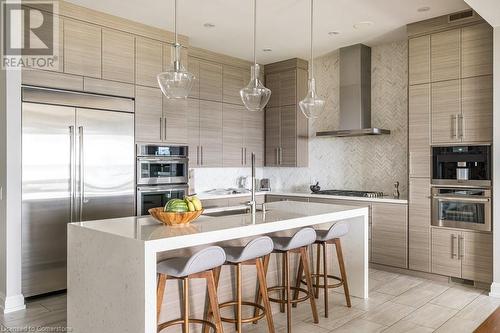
point(477, 256)
point(233, 135)
point(82, 48)
point(273, 137)
point(193, 128)
point(254, 137)
point(273, 83)
point(477, 109)
point(148, 114)
point(477, 50)
point(445, 111)
point(194, 68)
point(389, 234)
point(445, 252)
point(118, 56)
point(210, 81)
point(419, 224)
point(175, 120)
point(288, 88)
point(234, 79)
point(419, 60)
point(419, 124)
point(288, 141)
point(148, 61)
point(445, 55)
point(210, 133)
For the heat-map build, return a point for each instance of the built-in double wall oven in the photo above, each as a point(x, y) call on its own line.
point(461, 192)
point(162, 174)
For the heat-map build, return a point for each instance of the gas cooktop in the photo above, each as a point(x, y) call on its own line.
point(348, 193)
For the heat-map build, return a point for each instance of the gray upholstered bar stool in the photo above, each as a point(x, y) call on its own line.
point(323, 238)
point(249, 255)
point(199, 265)
point(298, 243)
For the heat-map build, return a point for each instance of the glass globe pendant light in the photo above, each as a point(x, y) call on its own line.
point(176, 82)
point(255, 95)
point(312, 105)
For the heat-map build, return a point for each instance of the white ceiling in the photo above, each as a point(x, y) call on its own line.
point(488, 9)
point(283, 25)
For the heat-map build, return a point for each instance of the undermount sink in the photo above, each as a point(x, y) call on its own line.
point(227, 212)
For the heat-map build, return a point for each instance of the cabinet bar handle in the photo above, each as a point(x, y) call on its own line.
point(462, 125)
point(201, 155)
point(277, 156)
point(455, 127)
point(242, 156)
point(165, 129)
point(281, 155)
point(161, 128)
point(460, 247)
point(245, 154)
point(197, 155)
point(453, 237)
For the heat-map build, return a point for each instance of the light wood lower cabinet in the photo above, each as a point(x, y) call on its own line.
point(193, 128)
point(477, 256)
point(273, 122)
point(445, 258)
point(419, 225)
point(389, 234)
point(462, 254)
point(275, 198)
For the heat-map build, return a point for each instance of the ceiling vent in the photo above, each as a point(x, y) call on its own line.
point(461, 15)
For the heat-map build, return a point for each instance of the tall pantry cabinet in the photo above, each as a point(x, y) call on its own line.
point(449, 102)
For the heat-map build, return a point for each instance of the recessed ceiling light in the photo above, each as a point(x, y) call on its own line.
point(362, 25)
point(209, 25)
point(424, 9)
point(334, 33)
point(267, 49)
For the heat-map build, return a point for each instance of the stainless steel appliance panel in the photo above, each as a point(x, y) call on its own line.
point(464, 208)
point(162, 170)
point(105, 174)
point(48, 164)
point(157, 196)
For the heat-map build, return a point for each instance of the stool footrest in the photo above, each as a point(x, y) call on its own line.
point(180, 321)
point(284, 301)
point(333, 277)
point(257, 317)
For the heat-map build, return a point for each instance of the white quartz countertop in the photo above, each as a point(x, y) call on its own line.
point(385, 199)
point(279, 216)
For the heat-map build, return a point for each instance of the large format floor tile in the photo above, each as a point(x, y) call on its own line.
point(431, 315)
point(358, 326)
point(388, 313)
point(399, 285)
point(421, 294)
point(457, 325)
point(457, 297)
point(404, 326)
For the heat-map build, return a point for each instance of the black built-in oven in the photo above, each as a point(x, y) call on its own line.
point(462, 165)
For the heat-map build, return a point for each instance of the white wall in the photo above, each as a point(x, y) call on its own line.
point(11, 298)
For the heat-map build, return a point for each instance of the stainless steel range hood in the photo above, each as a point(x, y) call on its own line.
point(355, 94)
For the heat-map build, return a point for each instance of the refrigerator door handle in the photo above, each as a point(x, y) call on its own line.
point(71, 173)
point(81, 172)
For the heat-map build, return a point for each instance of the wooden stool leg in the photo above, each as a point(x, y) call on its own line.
point(300, 272)
point(185, 283)
point(208, 311)
point(343, 274)
point(307, 272)
point(261, 277)
point(318, 267)
point(283, 281)
point(160, 291)
point(286, 268)
point(258, 296)
point(325, 279)
point(238, 298)
point(214, 303)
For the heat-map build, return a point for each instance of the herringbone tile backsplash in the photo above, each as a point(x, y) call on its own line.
point(358, 163)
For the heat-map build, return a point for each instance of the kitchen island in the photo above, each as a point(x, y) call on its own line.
point(112, 263)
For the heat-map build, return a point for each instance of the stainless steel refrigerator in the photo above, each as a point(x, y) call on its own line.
point(78, 165)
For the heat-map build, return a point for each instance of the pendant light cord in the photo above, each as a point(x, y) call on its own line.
point(175, 21)
point(311, 71)
point(254, 31)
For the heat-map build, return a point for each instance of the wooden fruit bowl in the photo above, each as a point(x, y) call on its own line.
point(171, 218)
